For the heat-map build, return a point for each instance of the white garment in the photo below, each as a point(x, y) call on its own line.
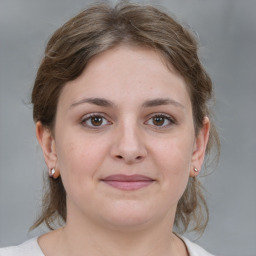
point(31, 248)
point(28, 248)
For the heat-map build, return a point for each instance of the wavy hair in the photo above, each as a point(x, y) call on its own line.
point(102, 27)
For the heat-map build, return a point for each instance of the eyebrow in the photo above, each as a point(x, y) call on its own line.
point(160, 102)
point(149, 103)
point(95, 101)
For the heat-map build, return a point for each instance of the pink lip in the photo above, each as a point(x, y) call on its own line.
point(128, 182)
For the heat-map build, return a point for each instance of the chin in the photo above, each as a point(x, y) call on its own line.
point(129, 216)
point(128, 223)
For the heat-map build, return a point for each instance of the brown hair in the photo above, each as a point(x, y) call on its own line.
point(96, 30)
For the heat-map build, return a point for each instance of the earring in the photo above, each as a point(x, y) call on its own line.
point(52, 172)
point(195, 169)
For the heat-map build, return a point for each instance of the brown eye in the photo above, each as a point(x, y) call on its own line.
point(158, 120)
point(161, 121)
point(96, 120)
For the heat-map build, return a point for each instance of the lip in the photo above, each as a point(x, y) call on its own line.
point(128, 182)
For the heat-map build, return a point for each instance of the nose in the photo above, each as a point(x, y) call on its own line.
point(128, 144)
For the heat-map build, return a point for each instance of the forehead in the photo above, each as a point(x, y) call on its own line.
point(128, 73)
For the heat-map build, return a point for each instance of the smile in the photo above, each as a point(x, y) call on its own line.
point(128, 182)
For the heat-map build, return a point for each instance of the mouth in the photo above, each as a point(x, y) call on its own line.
point(128, 182)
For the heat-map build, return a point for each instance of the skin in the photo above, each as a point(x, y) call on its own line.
point(142, 125)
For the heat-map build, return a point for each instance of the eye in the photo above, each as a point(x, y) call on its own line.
point(95, 120)
point(160, 120)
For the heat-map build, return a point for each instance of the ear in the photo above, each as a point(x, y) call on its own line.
point(200, 147)
point(47, 143)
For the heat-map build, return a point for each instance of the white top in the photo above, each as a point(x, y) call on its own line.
point(31, 248)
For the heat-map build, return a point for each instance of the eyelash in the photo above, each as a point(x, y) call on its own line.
point(89, 117)
point(167, 118)
point(94, 115)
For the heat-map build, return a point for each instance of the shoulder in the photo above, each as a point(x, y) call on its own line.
point(28, 248)
point(194, 249)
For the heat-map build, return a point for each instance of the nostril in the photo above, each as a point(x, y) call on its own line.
point(119, 157)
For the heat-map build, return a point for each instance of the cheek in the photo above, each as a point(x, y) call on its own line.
point(175, 152)
point(173, 158)
point(78, 158)
point(78, 163)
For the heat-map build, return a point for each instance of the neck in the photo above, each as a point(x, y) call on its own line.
point(96, 240)
point(96, 237)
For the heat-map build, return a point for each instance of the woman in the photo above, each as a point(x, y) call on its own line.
point(120, 105)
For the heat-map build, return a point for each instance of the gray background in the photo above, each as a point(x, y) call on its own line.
point(227, 31)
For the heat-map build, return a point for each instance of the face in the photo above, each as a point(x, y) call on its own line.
point(124, 140)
